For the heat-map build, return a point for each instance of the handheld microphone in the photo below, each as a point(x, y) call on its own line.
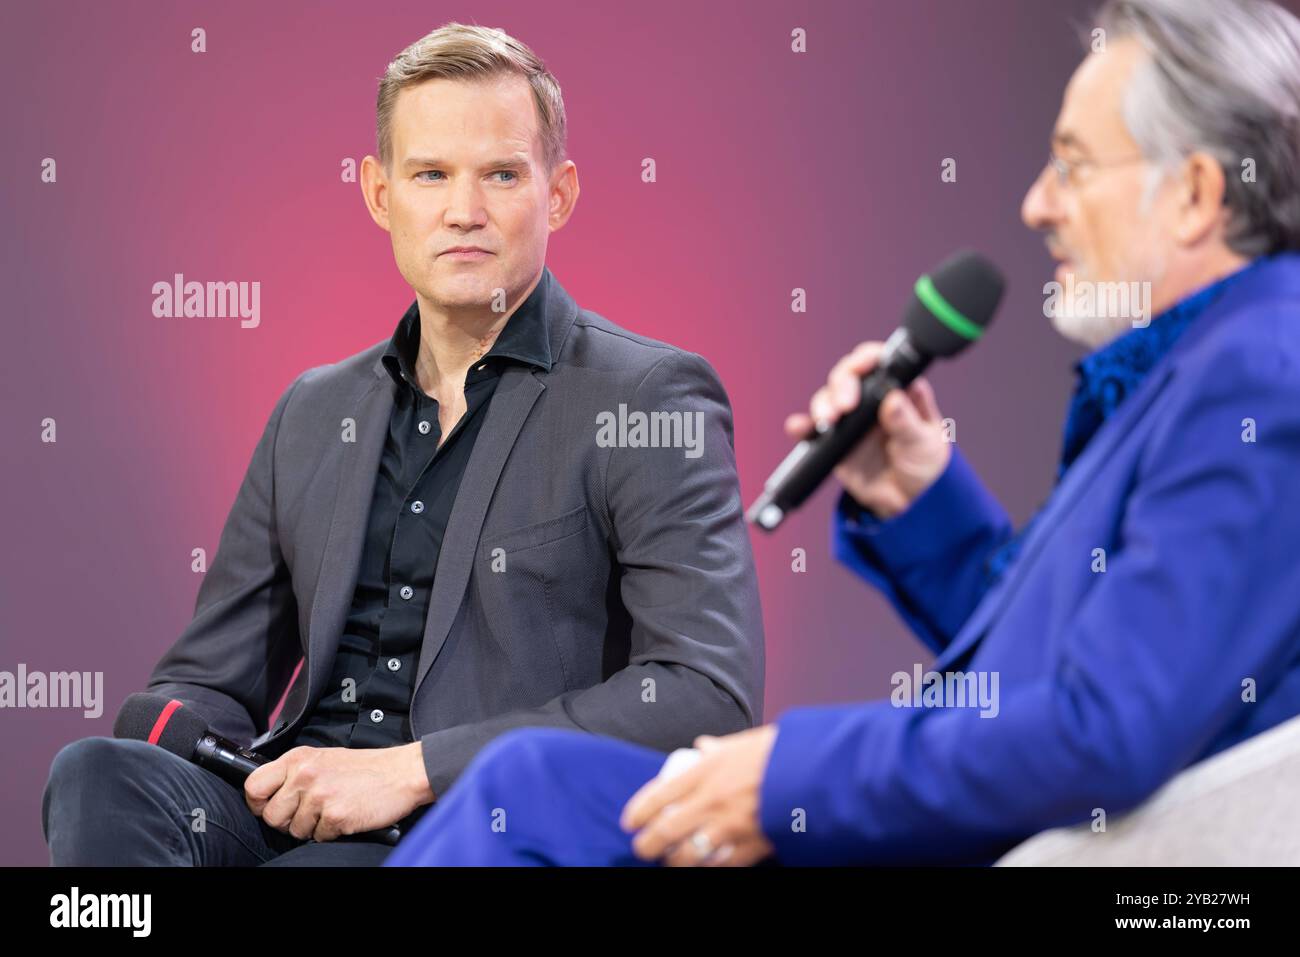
point(184, 732)
point(950, 308)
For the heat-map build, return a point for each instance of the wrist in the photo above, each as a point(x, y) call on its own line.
point(416, 776)
point(862, 505)
point(917, 483)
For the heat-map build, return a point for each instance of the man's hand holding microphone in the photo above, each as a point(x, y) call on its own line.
point(898, 459)
point(875, 425)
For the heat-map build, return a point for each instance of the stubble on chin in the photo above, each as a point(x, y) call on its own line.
point(461, 292)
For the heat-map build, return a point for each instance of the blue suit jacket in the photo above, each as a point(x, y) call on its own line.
point(1109, 681)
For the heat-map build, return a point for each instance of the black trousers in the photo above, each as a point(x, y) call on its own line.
point(110, 801)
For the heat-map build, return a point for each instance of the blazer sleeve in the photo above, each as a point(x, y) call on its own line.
point(928, 560)
point(1196, 602)
point(687, 581)
point(234, 659)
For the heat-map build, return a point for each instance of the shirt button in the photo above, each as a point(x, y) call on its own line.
point(417, 506)
point(376, 716)
point(394, 664)
point(424, 427)
point(406, 592)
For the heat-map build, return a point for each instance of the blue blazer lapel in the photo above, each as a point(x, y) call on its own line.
point(1064, 497)
point(1277, 278)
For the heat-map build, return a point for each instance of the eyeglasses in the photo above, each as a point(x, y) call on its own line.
point(1065, 170)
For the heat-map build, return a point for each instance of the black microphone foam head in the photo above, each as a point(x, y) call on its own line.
point(951, 306)
point(163, 721)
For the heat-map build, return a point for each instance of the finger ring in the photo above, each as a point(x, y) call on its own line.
point(703, 846)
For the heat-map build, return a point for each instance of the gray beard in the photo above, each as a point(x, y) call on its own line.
point(1091, 331)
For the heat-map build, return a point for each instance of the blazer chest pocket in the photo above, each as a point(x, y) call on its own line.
point(540, 533)
point(521, 584)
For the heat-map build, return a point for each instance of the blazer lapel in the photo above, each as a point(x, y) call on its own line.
point(341, 563)
point(1075, 481)
point(1276, 278)
point(510, 404)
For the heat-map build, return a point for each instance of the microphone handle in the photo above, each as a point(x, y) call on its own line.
point(831, 445)
point(813, 459)
point(234, 764)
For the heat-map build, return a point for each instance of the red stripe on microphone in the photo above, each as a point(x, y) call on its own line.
point(163, 718)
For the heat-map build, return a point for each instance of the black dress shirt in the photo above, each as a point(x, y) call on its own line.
point(367, 701)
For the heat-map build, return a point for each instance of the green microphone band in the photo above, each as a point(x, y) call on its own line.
point(943, 310)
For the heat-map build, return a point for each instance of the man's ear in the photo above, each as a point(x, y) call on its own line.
point(1202, 187)
point(374, 190)
point(562, 194)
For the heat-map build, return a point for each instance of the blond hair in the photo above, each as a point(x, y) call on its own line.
point(466, 52)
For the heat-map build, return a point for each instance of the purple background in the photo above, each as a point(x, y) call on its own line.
point(775, 170)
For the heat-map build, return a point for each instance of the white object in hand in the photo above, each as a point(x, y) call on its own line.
point(680, 760)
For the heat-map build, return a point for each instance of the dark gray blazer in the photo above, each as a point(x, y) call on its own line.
point(627, 605)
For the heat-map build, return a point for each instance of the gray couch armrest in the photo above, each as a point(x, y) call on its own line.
point(1238, 807)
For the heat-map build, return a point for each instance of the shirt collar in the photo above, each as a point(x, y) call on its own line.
point(1109, 373)
point(524, 338)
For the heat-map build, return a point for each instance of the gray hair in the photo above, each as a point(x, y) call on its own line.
point(1223, 77)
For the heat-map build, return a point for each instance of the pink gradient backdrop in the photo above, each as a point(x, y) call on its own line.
point(775, 170)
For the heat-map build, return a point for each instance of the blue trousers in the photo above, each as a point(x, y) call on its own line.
point(535, 796)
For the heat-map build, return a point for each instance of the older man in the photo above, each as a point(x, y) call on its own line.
point(1143, 620)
